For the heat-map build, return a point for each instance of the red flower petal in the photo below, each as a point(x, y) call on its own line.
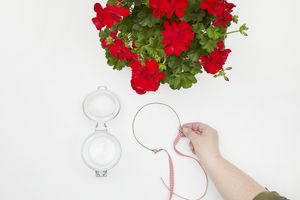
point(177, 37)
point(220, 9)
point(160, 7)
point(214, 62)
point(108, 16)
point(145, 78)
point(104, 43)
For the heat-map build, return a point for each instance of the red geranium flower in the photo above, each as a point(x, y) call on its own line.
point(109, 15)
point(119, 50)
point(177, 37)
point(117, 47)
point(220, 9)
point(160, 7)
point(215, 61)
point(98, 22)
point(145, 78)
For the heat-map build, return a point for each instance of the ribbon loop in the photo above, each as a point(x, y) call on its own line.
point(178, 138)
point(171, 185)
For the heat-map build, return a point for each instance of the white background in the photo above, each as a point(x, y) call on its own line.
point(51, 58)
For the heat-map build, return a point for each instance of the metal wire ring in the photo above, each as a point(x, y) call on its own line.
point(137, 113)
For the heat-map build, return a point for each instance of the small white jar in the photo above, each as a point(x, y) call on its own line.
point(101, 151)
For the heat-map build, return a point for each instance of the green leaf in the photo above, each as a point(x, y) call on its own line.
point(116, 63)
point(185, 67)
point(214, 32)
point(195, 67)
point(155, 44)
point(187, 80)
point(162, 67)
point(198, 28)
point(191, 77)
point(196, 70)
point(104, 34)
point(193, 13)
point(112, 2)
point(174, 81)
point(177, 83)
point(181, 80)
point(126, 25)
point(208, 44)
point(137, 28)
point(146, 17)
point(194, 56)
point(175, 63)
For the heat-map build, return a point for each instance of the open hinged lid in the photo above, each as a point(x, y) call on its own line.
point(101, 105)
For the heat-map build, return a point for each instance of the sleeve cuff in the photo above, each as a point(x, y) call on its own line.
point(269, 196)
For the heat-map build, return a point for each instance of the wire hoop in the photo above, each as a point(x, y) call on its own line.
point(136, 115)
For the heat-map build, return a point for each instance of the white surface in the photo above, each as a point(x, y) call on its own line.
point(51, 59)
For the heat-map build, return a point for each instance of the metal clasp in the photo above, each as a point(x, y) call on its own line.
point(101, 127)
point(101, 173)
point(102, 88)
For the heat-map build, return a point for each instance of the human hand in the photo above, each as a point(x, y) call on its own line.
point(230, 181)
point(204, 141)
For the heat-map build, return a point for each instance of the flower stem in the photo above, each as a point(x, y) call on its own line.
point(231, 32)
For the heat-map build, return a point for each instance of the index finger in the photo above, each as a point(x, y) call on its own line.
point(196, 126)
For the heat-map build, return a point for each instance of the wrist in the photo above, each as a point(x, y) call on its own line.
point(210, 160)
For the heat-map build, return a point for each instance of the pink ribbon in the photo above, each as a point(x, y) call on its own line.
point(171, 185)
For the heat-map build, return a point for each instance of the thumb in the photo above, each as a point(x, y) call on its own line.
point(189, 133)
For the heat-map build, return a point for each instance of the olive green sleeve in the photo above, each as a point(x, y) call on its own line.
point(269, 196)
